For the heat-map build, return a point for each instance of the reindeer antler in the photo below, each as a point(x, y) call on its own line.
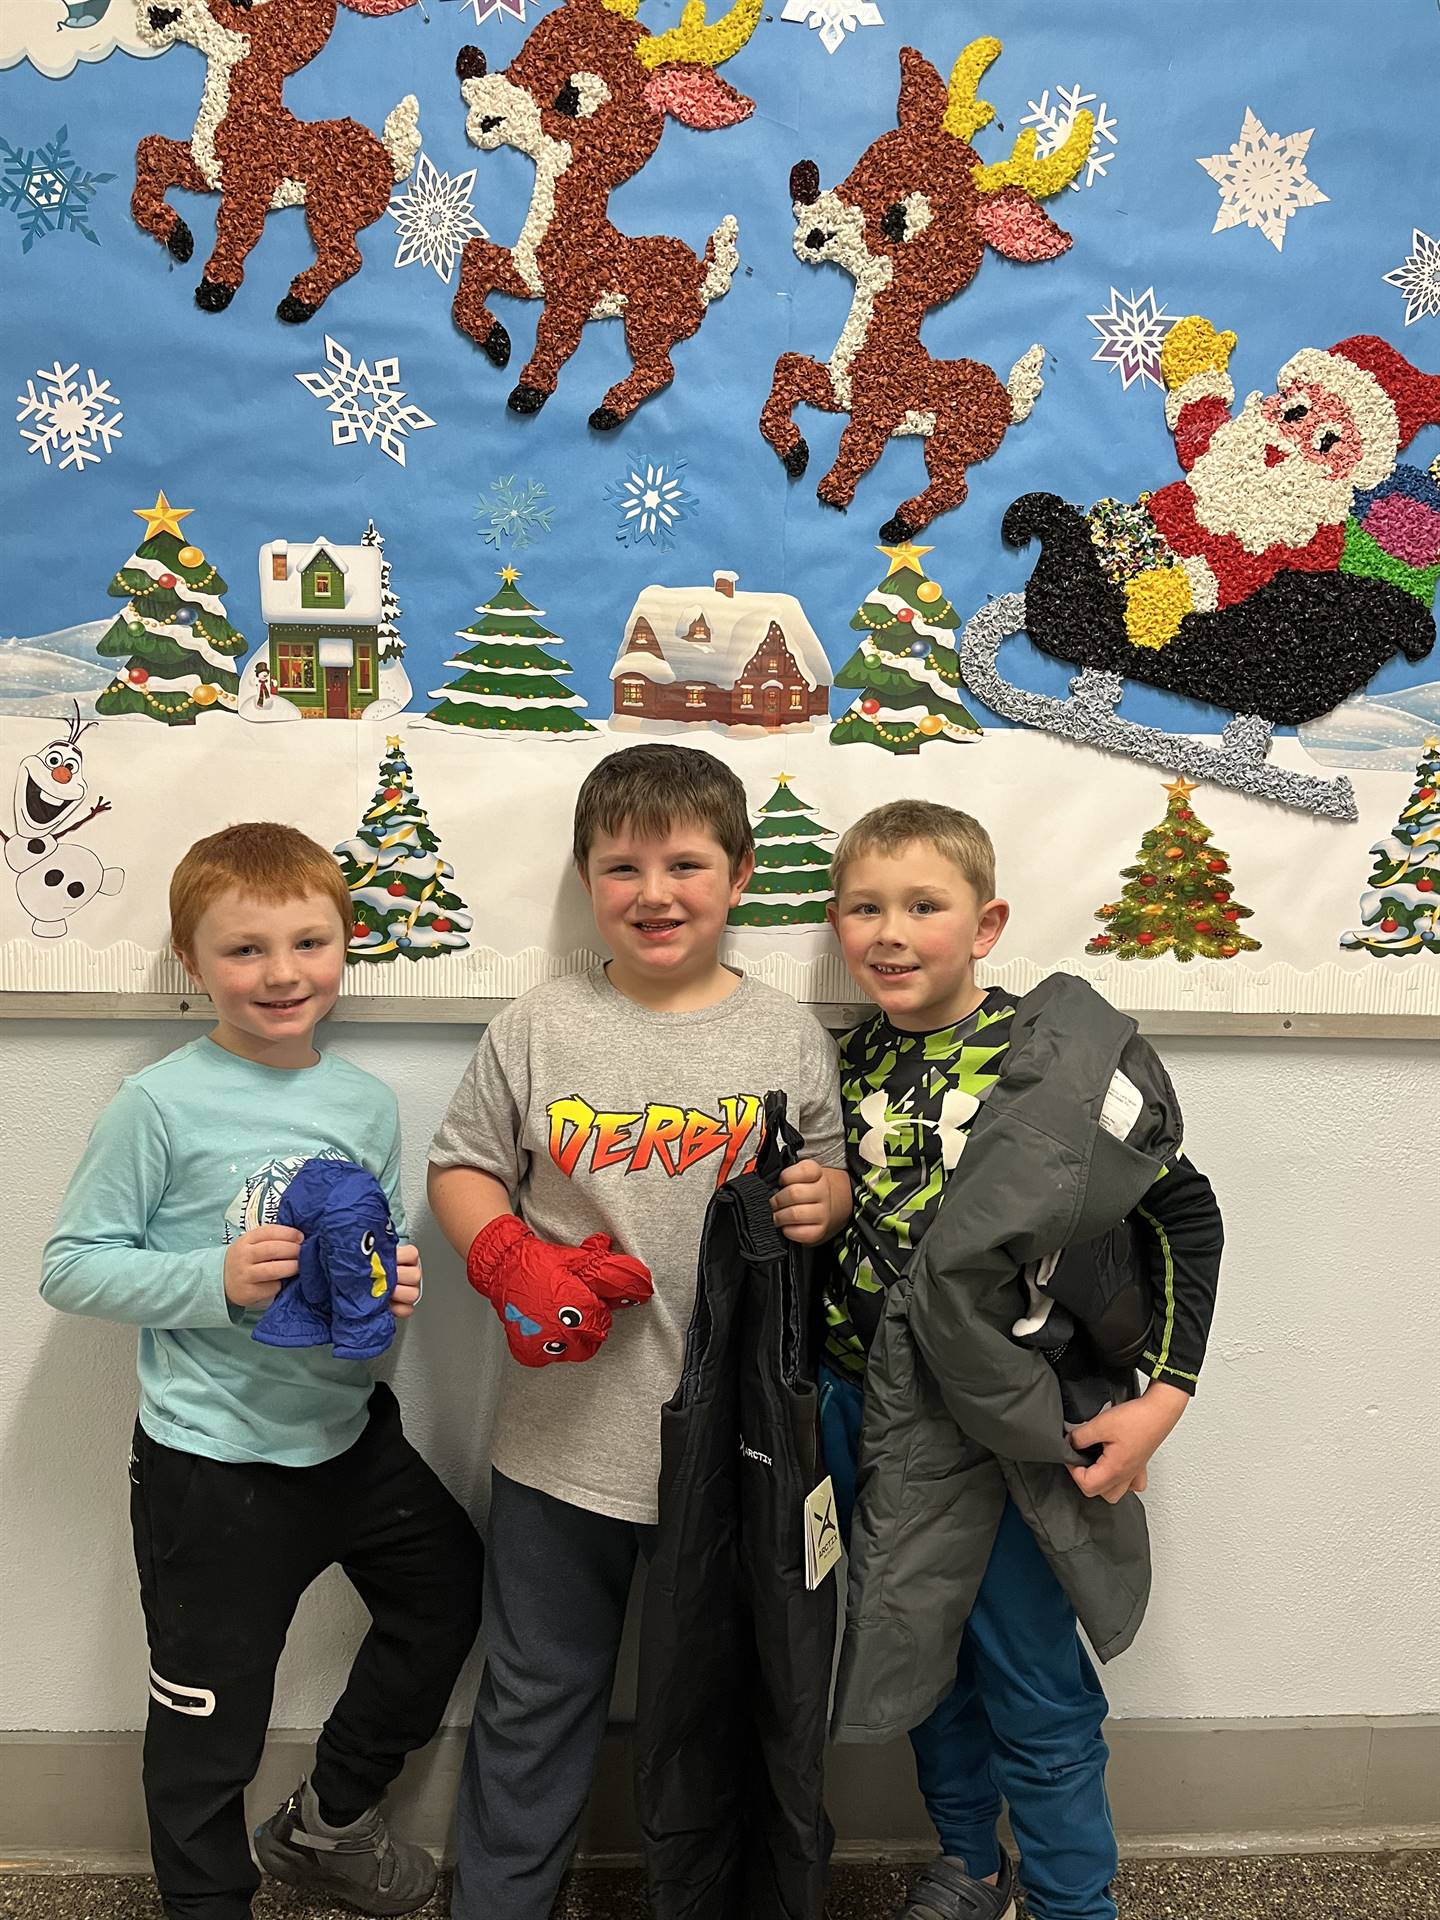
point(696, 42)
point(966, 113)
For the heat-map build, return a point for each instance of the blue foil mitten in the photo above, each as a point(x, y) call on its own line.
point(341, 1296)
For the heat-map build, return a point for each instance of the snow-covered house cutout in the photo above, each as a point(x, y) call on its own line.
point(321, 607)
point(714, 654)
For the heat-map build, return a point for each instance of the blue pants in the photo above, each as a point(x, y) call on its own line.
point(1024, 1721)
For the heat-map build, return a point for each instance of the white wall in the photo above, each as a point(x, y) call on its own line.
point(1294, 1511)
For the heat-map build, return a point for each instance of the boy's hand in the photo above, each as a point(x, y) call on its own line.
point(812, 1202)
point(1128, 1435)
point(259, 1263)
point(405, 1295)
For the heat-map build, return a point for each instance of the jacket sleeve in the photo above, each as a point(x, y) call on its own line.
point(96, 1260)
point(1181, 1210)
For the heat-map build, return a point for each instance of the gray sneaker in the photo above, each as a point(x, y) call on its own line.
point(359, 1864)
point(945, 1891)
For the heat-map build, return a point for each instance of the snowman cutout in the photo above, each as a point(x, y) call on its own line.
point(264, 691)
point(53, 881)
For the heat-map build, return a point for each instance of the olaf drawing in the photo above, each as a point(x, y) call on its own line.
point(52, 880)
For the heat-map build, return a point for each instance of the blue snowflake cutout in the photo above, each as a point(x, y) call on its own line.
point(652, 500)
point(514, 512)
point(47, 190)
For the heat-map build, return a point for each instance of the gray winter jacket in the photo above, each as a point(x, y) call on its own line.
point(1074, 1132)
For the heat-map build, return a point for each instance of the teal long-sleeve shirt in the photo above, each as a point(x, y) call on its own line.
point(190, 1153)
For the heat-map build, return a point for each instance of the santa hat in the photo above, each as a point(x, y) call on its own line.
point(1390, 399)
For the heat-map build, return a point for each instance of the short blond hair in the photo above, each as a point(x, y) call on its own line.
point(958, 837)
point(654, 787)
point(259, 858)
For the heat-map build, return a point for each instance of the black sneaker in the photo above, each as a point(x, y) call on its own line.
point(359, 1864)
point(945, 1891)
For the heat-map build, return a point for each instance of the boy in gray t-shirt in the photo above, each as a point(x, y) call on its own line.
point(609, 1103)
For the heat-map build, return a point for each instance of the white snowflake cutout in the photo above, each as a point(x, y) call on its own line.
point(1132, 333)
point(366, 401)
point(833, 19)
point(71, 416)
point(1052, 126)
point(1418, 278)
point(1262, 180)
point(434, 218)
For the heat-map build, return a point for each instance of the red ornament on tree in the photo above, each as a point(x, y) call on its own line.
point(1147, 880)
point(1184, 813)
point(907, 614)
point(1144, 939)
point(1232, 913)
point(359, 930)
point(442, 925)
point(1424, 884)
point(1218, 866)
point(1220, 894)
point(1203, 926)
point(1388, 925)
point(396, 886)
point(1425, 793)
point(392, 793)
point(870, 706)
point(165, 580)
point(138, 676)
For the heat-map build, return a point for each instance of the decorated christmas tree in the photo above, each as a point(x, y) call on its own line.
point(178, 647)
point(396, 877)
point(1177, 899)
point(391, 646)
point(905, 668)
point(791, 882)
point(507, 681)
point(1401, 906)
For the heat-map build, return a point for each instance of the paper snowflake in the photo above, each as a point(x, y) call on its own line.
point(1052, 127)
point(70, 416)
point(365, 401)
point(492, 9)
point(1418, 278)
point(651, 501)
point(1262, 180)
point(47, 190)
point(514, 512)
point(833, 18)
point(434, 218)
point(1131, 334)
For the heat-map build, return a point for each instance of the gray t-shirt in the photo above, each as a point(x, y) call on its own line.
point(603, 1116)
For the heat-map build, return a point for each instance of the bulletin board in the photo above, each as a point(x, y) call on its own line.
point(1028, 407)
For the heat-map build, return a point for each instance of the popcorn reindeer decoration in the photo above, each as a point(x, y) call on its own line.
point(909, 225)
point(586, 100)
point(257, 156)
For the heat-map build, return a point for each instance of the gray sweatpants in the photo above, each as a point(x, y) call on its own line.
point(557, 1579)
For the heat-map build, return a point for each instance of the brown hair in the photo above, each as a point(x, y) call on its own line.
point(259, 858)
point(650, 788)
point(900, 823)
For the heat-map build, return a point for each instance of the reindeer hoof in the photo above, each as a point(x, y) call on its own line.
point(605, 419)
point(526, 399)
point(798, 458)
point(180, 242)
point(212, 297)
point(897, 531)
point(496, 346)
point(296, 312)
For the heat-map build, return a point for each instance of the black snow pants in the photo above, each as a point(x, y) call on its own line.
point(736, 1653)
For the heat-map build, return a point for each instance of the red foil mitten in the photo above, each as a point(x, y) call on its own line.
point(554, 1302)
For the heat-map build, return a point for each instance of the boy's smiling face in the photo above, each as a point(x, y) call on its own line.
point(911, 928)
point(273, 970)
point(661, 906)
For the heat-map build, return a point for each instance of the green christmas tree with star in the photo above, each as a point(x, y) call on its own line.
point(178, 647)
point(507, 681)
point(398, 880)
point(1400, 909)
point(1178, 898)
point(791, 881)
point(905, 669)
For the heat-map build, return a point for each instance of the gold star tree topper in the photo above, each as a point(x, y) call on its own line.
point(162, 517)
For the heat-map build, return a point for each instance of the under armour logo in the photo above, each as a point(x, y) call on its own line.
point(884, 1122)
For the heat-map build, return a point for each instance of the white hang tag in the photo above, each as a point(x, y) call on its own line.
point(822, 1534)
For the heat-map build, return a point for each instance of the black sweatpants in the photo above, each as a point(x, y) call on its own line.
point(224, 1553)
point(557, 1579)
